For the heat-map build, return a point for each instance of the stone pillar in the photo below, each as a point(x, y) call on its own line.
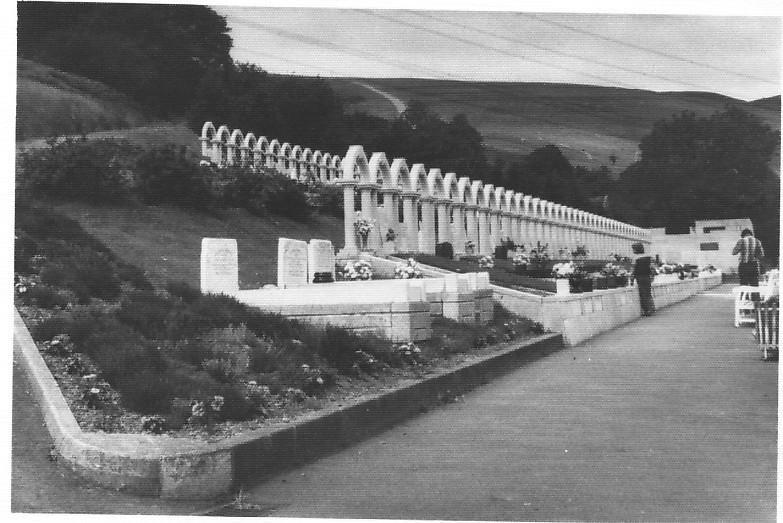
point(472, 227)
point(369, 211)
point(390, 218)
point(495, 232)
point(410, 225)
point(351, 248)
point(485, 243)
point(444, 222)
point(427, 242)
point(458, 234)
point(508, 231)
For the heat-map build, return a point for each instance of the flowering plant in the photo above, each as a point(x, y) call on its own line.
point(563, 270)
point(520, 258)
point(539, 256)
point(710, 268)
point(22, 284)
point(408, 270)
point(470, 246)
point(358, 270)
point(409, 353)
point(363, 226)
point(581, 251)
point(391, 235)
point(486, 262)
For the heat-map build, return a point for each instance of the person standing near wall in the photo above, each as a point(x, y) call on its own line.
point(643, 274)
point(750, 253)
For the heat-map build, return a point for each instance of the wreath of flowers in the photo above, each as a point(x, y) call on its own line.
point(358, 270)
point(563, 270)
point(408, 270)
point(520, 259)
point(486, 262)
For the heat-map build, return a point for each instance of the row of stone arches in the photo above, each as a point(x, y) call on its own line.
point(424, 206)
point(223, 147)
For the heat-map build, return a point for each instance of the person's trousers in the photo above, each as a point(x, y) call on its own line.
point(645, 295)
point(749, 273)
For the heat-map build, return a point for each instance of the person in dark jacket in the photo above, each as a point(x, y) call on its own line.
point(643, 274)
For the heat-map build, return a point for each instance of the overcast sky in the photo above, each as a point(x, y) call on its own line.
point(738, 56)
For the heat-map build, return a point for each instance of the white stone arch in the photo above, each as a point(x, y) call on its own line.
point(497, 198)
point(508, 200)
point(275, 159)
point(550, 210)
point(418, 180)
point(296, 173)
point(463, 190)
point(435, 186)
point(319, 166)
point(354, 166)
point(487, 195)
point(249, 150)
point(336, 168)
point(380, 171)
point(208, 133)
point(262, 152)
point(476, 192)
point(220, 145)
point(400, 175)
point(307, 170)
point(235, 147)
point(284, 158)
point(526, 210)
point(451, 189)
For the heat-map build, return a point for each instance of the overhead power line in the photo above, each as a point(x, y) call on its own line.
point(556, 51)
point(412, 69)
point(647, 49)
point(490, 48)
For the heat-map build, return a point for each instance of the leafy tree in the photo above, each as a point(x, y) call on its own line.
point(699, 168)
point(155, 53)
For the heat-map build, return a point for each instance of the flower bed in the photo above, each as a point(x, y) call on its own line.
point(132, 358)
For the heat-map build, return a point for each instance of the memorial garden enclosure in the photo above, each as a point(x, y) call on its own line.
point(423, 208)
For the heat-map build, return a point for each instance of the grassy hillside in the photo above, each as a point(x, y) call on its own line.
point(166, 241)
point(589, 124)
point(51, 102)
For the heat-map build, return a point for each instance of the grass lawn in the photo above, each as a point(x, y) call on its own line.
point(165, 241)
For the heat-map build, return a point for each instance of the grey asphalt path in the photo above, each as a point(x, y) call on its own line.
point(672, 417)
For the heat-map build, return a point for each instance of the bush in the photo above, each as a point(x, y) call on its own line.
point(134, 276)
point(327, 199)
point(45, 297)
point(91, 170)
point(182, 290)
point(77, 323)
point(146, 312)
point(444, 250)
point(88, 273)
point(168, 175)
point(262, 193)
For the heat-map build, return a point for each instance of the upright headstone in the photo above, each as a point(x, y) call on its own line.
point(320, 259)
point(219, 266)
point(291, 263)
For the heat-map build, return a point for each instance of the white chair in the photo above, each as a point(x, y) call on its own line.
point(744, 306)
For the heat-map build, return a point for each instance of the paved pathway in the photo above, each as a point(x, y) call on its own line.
point(672, 417)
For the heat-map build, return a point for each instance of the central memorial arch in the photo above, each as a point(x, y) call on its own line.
point(421, 205)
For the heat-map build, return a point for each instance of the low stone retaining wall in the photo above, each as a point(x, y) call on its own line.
point(465, 297)
point(582, 316)
point(180, 468)
point(394, 309)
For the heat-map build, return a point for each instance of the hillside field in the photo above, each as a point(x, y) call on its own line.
point(588, 123)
